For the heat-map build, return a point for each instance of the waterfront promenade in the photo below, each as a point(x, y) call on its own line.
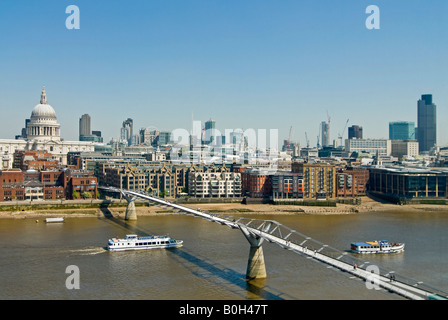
point(117, 208)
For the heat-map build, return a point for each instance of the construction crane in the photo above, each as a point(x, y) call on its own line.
point(341, 135)
point(289, 139)
point(307, 141)
point(318, 139)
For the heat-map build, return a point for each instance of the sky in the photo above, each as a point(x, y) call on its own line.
point(251, 64)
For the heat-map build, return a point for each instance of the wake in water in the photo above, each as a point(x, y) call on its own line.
point(89, 251)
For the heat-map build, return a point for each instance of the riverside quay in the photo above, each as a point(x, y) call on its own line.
point(405, 184)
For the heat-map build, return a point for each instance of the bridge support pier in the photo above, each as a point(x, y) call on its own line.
point(131, 213)
point(256, 268)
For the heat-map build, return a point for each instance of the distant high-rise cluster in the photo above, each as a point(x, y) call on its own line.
point(405, 138)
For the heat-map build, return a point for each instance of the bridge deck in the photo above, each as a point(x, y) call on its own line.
point(294, 241)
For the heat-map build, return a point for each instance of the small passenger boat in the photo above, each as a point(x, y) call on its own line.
point(382, 246)
point(134, 242)
point(53, 220)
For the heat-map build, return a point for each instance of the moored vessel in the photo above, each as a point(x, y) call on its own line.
point(54, 220)
point(382, 246)
point(134, 242)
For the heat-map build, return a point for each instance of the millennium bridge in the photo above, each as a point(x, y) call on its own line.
point(257, 230)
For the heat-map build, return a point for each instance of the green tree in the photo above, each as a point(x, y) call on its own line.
point(86, 195)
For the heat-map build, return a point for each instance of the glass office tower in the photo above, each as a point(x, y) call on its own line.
point(401, 130)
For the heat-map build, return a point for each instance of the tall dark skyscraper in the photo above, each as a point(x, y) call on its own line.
point(426, 123)
point(355, 132)
point(84, 126)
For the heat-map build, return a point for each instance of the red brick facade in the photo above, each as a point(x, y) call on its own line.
point(255, 184)
point(351, 182)
point(16, 184)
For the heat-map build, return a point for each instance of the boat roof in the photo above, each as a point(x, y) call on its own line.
point(369, 243)
point(131, 236)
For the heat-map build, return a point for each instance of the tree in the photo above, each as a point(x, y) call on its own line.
point(354, 155)
point(75, 195)
point(86, 195)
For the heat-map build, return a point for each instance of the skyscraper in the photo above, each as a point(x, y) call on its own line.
point(164, 138)
point(126, 130)
point(402, 130)
point(210, 131)
point(355, 132)
point(325, 134)
point(427, 123)
point(84, 126)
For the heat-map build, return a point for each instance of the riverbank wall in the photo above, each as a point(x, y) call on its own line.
point(117, 208)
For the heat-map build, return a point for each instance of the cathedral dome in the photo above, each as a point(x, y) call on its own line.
point(43, 110)
point(43, 124)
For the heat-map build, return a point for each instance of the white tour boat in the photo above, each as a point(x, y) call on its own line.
point(382, 246)
point(134, 242)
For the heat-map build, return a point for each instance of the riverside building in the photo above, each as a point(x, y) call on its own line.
point(222, 184)
point(411, 184)
point(319, 180)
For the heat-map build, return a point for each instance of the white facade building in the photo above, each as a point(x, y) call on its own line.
point(43, 133)
point(214, 184)
point(382, 147)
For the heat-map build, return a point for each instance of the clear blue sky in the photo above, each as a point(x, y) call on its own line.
point(247, 64)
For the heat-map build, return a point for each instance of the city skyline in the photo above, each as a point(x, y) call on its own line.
point(243, 64)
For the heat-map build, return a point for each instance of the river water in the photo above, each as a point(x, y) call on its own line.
point(212, 263)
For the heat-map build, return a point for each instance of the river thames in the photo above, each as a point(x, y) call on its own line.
point(212, 263)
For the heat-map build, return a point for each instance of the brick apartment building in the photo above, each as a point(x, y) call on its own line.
point(256, 183)
point(319, 180)
point(16, 184)
point(287, 186)
point(351, 182)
